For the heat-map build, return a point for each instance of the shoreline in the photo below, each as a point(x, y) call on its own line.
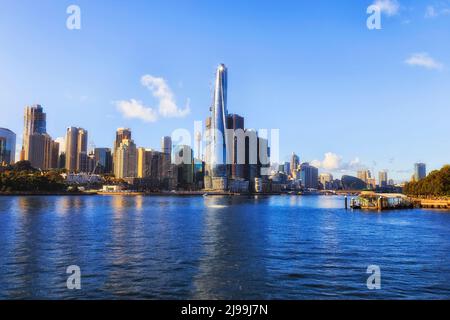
point(132, 193)
point(34, 193)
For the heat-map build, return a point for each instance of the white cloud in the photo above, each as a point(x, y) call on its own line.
point(334, 162)
point(423, 60)
point(430, 12)
point(441, 9)
point(161, 91)
point(62, 144)
point(389, 7)
point(134, 109)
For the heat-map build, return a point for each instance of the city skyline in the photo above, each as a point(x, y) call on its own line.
point(319, 96)
point(132, 161)
point(77, 159)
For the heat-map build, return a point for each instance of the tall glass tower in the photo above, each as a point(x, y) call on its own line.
point(420, 171)
point(219, 115)
point(7, 146)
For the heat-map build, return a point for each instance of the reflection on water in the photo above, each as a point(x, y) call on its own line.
point(218, 247)
point(233, 243)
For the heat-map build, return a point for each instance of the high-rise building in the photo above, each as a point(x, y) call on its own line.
point(82, 161)
point(166, 145)
point(218, 142)
point(121, 134)
point(236, 168)
point(7, 146)
point(167, 173)
point(71, 148)
point(235, 121)
point(103, 160)
point(263, 157)
point(383, 179)
point(287, 168)
point(295, 162)
point(364, 175)
point(125, 160)
point(199, 170)
point(35, 122)
point(157, 167)
point(184, 160)
point(251, 168)
point(54, 158)
point(39, 150)
point(144, 162)
point(309, 176)
point(82, 154)
point(208, 138)
point(420, 171)
point(326, 179)
point(371, 183)
point(76, 150)
point(149, 165)
point(62, 160)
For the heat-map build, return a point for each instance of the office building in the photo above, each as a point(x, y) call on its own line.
point(103, 160)
point(309, 176)
point(7, 146)
point(218, 139)
point(364, 175)
point(184, 160)
point(54, 155)
point(144, 162)
point(295, 162)
point(121, 134)
point(287, 168)
point(236, 168)
point(76, 150)
point(326, 180)
point(166, 145)
point(125, 160)
point(39, 150)
point(35, 122)
point(420, 171)
point(383, 179)
point(168, 176)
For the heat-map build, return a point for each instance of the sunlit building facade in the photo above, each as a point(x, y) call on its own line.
point(126, 160)
point(76, 149)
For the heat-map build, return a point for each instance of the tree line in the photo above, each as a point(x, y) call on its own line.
point(436, 184)
point(22, 177)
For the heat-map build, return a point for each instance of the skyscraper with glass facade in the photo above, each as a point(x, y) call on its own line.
point(7, 146)
point(420, 171)
point(217, 173)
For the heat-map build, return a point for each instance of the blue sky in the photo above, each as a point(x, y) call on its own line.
point(373, 98)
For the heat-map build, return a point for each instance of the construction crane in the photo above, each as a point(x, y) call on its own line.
point(97, 164)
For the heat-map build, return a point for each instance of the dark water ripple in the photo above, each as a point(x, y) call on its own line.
point(279, 247)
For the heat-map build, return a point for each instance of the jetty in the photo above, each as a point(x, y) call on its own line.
point(369, 200)
point(433, 203)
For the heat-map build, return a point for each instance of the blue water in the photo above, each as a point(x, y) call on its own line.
point(278, 247)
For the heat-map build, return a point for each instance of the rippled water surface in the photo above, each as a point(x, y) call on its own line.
point(280, 247)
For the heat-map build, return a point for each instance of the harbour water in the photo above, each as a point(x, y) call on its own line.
point(275, 247)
